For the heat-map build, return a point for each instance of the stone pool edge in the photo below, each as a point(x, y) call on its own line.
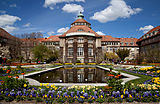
point(130, 77)
point(37, 83)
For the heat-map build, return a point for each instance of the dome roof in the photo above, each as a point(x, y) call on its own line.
point(81, 21)
point(83, 28)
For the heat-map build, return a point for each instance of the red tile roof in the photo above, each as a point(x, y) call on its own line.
point(80, 21)
point(33, 39)
point(83, 27)
point(109, 38)
point(129, 41)
point(5, 34)
point(154, 29)
point(54, 38)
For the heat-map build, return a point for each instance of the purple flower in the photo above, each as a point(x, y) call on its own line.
point(95, 92)
point(49, 92)
point(95, 97)
point(7, 94)
point(72, 94)
point(63, 88)
point(53, 91)
point(64, 94)
point(42, 90)
point(85, 95)
point(77, 93)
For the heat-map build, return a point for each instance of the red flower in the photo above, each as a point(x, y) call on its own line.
point(8, 71)
point(111, 75)
point(22, 73)
point(17, 77)
point(9, 76)
point(2, 81)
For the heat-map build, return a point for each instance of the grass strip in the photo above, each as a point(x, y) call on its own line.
point(140, 80)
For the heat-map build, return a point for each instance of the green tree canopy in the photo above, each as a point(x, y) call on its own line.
point(123, 53)
point(111, 55)
point(41, 52)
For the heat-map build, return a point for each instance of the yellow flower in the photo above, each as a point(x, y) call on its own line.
point(124, 91)
point(41, 84)
point(101, 96)
point(45, 96)
point(25, 85)
point(122, 96)
point(82, 97)
point(130, 96)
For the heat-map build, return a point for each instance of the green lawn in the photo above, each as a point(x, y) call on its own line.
point(140, 80)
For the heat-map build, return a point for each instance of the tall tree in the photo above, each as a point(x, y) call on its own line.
point(123, 53)
point(41, 52)
point(111, 56)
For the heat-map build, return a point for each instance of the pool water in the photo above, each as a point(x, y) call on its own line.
point(72, 75)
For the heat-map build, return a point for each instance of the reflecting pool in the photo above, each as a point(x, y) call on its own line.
point(72, 75)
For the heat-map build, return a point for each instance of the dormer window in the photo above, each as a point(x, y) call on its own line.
point(127, 43)
point(131, 43)
point(80, 30)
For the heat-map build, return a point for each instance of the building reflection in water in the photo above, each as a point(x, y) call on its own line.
point(72, 75)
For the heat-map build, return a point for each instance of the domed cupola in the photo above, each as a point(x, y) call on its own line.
point(81, 21)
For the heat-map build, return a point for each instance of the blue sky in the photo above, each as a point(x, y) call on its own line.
point(119, 18)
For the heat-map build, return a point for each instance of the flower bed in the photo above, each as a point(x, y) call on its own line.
point(19, 90)
point(16, 64)
point(81, 94)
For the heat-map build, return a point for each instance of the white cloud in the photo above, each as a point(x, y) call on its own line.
point(100, 33)
point(50, 33)
point(7, 22)
point(2, 11)
point(10, 28)
point(116, 9)
point(27, 25)
point(73, 8)
point(145, 29)
point(13, 5)
point(62, 30)
point(51, 3)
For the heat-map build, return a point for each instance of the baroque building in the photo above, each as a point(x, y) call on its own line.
point(79, 43)
point(149, 45)
point(9, 45)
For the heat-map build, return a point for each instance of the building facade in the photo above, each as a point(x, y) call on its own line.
point(149, 45)
point(79, 44)
point(9, 45)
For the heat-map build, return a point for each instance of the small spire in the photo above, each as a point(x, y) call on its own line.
point(80, 16)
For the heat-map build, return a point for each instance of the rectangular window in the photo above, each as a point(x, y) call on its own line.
point(70, 51)
point(90, 51)
point(90, 41)
point(115, 49)
point(111, 49)
point(107, 49)
point(70, 41)
point(121, 43)
point(80, 51)
point(80, 40)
